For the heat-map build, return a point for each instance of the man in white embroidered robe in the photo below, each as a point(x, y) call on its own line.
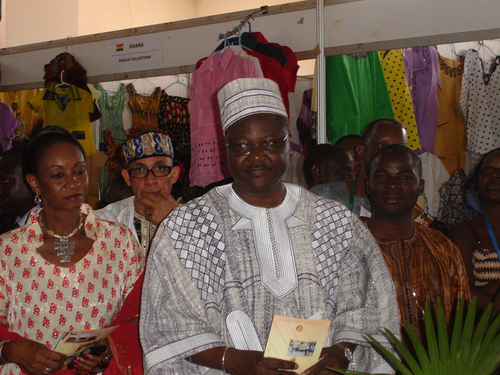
point(222, 265)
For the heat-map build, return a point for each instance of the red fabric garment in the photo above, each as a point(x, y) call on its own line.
point(123, 342)
point(285, 76)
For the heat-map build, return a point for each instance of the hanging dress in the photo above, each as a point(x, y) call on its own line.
point(399, 92)
point(111, 107)
point(145, 108)
point(356, 93)
point(480, 103)
point(450, 139)
point(422, 73)
point(174, 119)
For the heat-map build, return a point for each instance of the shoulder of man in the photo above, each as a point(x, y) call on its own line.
point(437, 240)
point(332, 190)
point(115, 210)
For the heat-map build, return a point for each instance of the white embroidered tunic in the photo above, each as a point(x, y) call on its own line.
point(220, 269)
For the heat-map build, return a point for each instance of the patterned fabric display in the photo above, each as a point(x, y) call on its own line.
point(399, 91)
point(480, 102)
point(174, 119)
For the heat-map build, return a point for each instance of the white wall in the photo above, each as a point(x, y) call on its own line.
point(32, 21)
point(98, 16)
point(2, 26)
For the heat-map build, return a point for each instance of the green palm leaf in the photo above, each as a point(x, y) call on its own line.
point(472, 349)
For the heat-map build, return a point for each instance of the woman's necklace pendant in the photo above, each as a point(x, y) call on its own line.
point(64, 248)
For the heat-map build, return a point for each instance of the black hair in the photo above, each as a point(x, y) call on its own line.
point(348, 137)
point(474, 180)
point(370, 128)
point(35, 149)
point(319, 154)
point(15, 153)
point(396, 147)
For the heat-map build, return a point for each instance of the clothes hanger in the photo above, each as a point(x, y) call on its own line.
point(63, 84)
point(23, 135)
point(237, 31)
point(481, 44)
point(176, 82)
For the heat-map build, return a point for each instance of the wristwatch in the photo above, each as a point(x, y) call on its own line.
point(347, 351)
point(2, 360)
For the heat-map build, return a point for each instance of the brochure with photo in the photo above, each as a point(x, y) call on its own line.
point(73, 342)
point(297, 340)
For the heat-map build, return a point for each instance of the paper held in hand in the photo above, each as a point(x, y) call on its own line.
point(73, 342)
point(297, 340)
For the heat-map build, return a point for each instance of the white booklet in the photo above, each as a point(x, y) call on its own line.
point(297, 340)
point(73, 342)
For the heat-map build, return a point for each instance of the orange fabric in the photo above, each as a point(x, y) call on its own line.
point(424, 268)
point(145, 108)
point(450, 139)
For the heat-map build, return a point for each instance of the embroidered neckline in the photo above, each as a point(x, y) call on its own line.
point(450, 71)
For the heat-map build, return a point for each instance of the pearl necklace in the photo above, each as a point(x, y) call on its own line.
point(64, 248)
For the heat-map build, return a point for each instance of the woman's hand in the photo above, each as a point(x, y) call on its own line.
point(36, 358)
point(88, 362)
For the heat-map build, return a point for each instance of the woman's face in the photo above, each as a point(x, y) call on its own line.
point(489, 178)
point(62, 179)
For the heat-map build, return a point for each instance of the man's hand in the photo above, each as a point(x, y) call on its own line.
point(36, 358)
point(331, 357)
point(244, 362)
point(157, 206)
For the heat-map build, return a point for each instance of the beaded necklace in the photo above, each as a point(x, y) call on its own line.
point(64, 248)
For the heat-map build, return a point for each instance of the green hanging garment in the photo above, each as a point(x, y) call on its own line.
point(356, 93)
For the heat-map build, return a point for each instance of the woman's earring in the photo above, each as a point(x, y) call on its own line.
point(37, 200)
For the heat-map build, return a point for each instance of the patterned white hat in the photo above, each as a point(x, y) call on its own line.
point(248, 96)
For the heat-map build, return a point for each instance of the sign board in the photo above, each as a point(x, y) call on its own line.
point(135, 53)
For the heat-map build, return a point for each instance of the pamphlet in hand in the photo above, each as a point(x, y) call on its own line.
point(73, 342)
point(297, 340)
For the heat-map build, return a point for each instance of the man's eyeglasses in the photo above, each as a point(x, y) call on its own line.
point(158, 171)
point(270, 145)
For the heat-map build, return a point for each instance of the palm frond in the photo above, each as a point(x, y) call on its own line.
point(472, 349)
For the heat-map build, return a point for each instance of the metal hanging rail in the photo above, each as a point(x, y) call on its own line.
point(237, 29)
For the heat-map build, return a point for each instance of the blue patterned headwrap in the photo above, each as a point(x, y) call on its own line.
point(147, 145)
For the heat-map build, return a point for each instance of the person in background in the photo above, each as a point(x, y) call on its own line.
point(349, 143)
point(477, 238)
point(116, 190)
point(424, 264)
point(150, 174)
point(377, 134)
point(65, 269)
point(222, 265)
point(16, 198)
point(327, 163)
